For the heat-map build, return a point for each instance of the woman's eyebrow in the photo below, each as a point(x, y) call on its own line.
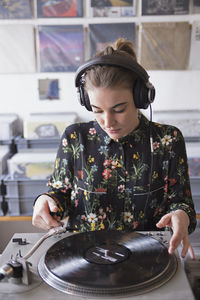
point(95, 106)
point(119, 104)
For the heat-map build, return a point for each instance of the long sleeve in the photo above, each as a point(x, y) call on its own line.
point(178, 182)
point(61, 181)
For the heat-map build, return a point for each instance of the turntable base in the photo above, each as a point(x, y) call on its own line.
point(176, 287)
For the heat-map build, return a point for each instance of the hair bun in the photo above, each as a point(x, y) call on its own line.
point(126, 46)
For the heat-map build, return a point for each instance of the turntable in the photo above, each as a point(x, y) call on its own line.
point(94, 265)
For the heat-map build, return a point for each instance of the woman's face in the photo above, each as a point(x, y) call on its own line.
point(114, 110)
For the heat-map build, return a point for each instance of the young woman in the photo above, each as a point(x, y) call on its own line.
point(120, 171)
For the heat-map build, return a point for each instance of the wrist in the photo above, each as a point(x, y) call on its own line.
point(184, 216)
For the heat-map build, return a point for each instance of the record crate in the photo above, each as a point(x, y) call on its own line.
point(19, 195)
point(10, 125)
point(48, 125)
point(23, 144)
point(16, 206)
point(195, 188)
point(196, 200)
point(186, 120)
point(195, 185)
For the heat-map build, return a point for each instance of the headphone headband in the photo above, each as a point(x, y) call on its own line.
point(112, 60)
point(143, 90)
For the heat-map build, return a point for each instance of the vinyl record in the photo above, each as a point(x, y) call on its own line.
point(107, 263)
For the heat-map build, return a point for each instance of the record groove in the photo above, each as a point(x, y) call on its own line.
point(107, 263)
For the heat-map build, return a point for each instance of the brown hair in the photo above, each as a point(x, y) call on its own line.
point(110, 76)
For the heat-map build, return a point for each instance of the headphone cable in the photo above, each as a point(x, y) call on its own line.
point(151, 166)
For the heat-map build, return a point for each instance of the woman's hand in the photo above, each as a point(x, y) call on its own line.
point(42, 217)
point(179, 221)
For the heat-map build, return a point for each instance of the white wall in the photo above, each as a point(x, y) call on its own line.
point(19, 93)
point(176, 89)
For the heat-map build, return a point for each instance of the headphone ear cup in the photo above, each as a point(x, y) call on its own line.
point(83, 98)
point(87, 101)
point(141, 94)
point(81, 95)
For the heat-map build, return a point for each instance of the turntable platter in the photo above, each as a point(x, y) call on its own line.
point(107, 263)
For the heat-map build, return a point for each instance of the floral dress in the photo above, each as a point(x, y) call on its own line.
point(105, 184)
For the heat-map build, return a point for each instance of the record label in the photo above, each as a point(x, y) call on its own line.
point(107, 254)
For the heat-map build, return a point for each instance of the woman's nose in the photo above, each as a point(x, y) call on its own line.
point(108, 120)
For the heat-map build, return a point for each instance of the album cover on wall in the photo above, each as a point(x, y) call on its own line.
point(61, 48)
point(101, 35)
point(49, 89)
point(59, 8)
point(165, 7)
point(17, 51)
point(16, 9)
point(165, 46)
point(195, 46)
point(114, 8)
point(196, 7)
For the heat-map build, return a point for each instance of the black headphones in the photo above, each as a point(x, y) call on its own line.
point(143, 90)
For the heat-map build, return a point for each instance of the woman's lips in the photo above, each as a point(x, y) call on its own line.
point(113, 131)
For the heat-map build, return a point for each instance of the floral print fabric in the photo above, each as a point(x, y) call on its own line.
point(105, 184)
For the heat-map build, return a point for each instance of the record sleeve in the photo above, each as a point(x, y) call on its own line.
point(165, 46)
point(17, 51)
point(165, 7)
point(115, 8)
point(61, 48)
point(49, 89)
point(109, 3)
point(194, 61)
point(196, 7)
point(16, 9)
point(101, 35)
point(59, 8)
